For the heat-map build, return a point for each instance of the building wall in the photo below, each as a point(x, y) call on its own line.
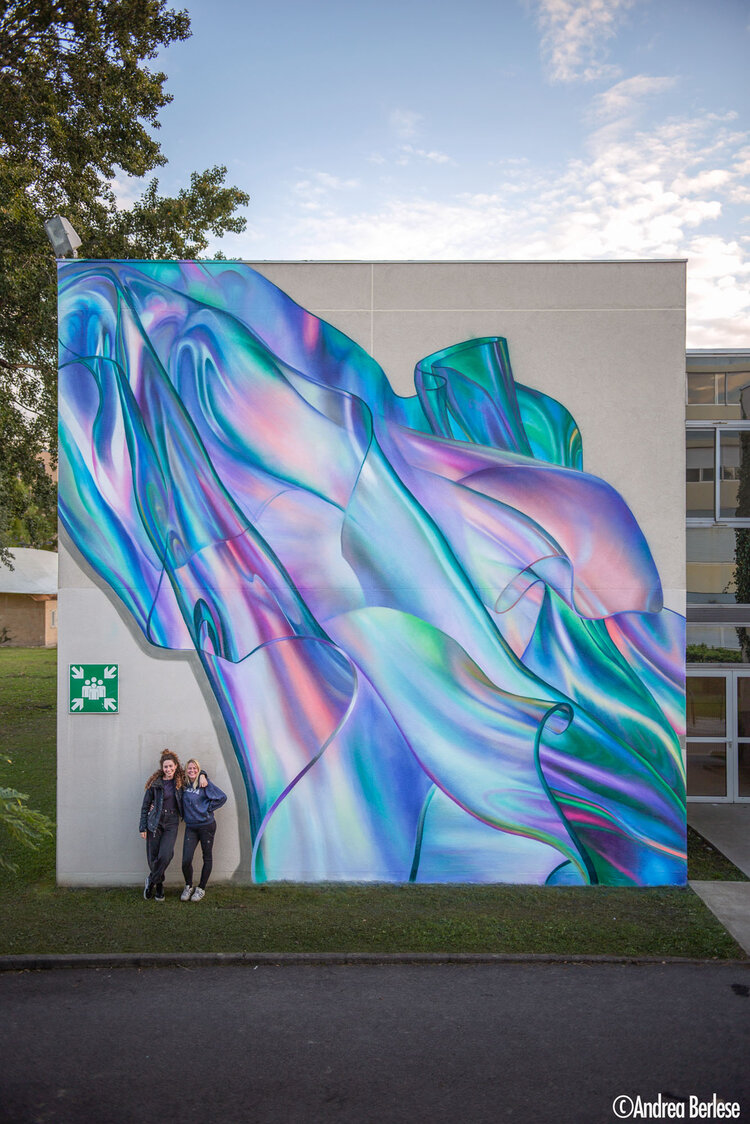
point(28, 620)
point(162, 704)
point(50, 622)
point(604, 339)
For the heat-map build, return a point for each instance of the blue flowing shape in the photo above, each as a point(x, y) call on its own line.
point(437, 644)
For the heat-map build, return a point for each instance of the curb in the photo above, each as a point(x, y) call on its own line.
point(48, 961)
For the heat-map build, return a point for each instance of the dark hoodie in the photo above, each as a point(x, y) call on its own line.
point(199, 804)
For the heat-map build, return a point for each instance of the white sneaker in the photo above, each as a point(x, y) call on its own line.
point(185, 895)
point(198, 894)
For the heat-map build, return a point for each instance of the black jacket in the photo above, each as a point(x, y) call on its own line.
point(153, 802)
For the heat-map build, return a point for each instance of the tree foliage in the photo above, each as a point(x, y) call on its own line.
point(19, 822)
point(78, 106)
point(27, 826)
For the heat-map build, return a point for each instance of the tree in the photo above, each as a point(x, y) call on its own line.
point(19, 822)
point(77, 106)
point(27, 826)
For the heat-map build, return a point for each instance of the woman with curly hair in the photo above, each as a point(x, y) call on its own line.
point(160, 817)
point(201, 799)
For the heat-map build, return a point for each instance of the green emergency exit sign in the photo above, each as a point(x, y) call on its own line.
point(94, 688)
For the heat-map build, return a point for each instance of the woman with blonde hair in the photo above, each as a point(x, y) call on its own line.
point(160, 817)
point(200, 801)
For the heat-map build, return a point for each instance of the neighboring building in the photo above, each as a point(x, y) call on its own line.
point(28, 599)
point(718, 575)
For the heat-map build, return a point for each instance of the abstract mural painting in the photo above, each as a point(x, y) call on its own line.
point(438, 645)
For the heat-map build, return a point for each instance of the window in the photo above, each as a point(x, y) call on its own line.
point(711, 565)
point(717, 644)
point(718, 734)
point(718, 388)
point(707, 739)
point(717, 472)
point(717, 478)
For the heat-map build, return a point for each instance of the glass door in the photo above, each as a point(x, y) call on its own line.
point(708, 706)
point(718, 735)
point(742, 756)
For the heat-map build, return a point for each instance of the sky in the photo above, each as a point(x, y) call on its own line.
point(478, 129)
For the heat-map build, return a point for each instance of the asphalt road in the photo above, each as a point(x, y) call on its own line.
point(532, 1043)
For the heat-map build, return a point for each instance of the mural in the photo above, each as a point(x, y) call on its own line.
point(438, 645)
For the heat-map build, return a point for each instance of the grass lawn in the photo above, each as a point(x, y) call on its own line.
point(706, 864)
point(284, 917)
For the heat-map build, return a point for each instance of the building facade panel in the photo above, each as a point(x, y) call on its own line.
point(717, 483)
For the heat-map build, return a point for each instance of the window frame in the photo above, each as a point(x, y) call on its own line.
point(728, 426)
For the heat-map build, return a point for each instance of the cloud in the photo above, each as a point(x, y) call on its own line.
point(657, 193)
point(624, 96)
point(324, 181)
point(574, 34)
point(404, 123)
point(312, 192)
point(433, 157)
point(127, 190)
point(707, 180)
point(718, 305)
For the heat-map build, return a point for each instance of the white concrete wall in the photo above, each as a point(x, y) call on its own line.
point(103, 760)
point(605, 338)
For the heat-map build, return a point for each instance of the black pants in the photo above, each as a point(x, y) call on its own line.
point(160, 848)
point(205, 832)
